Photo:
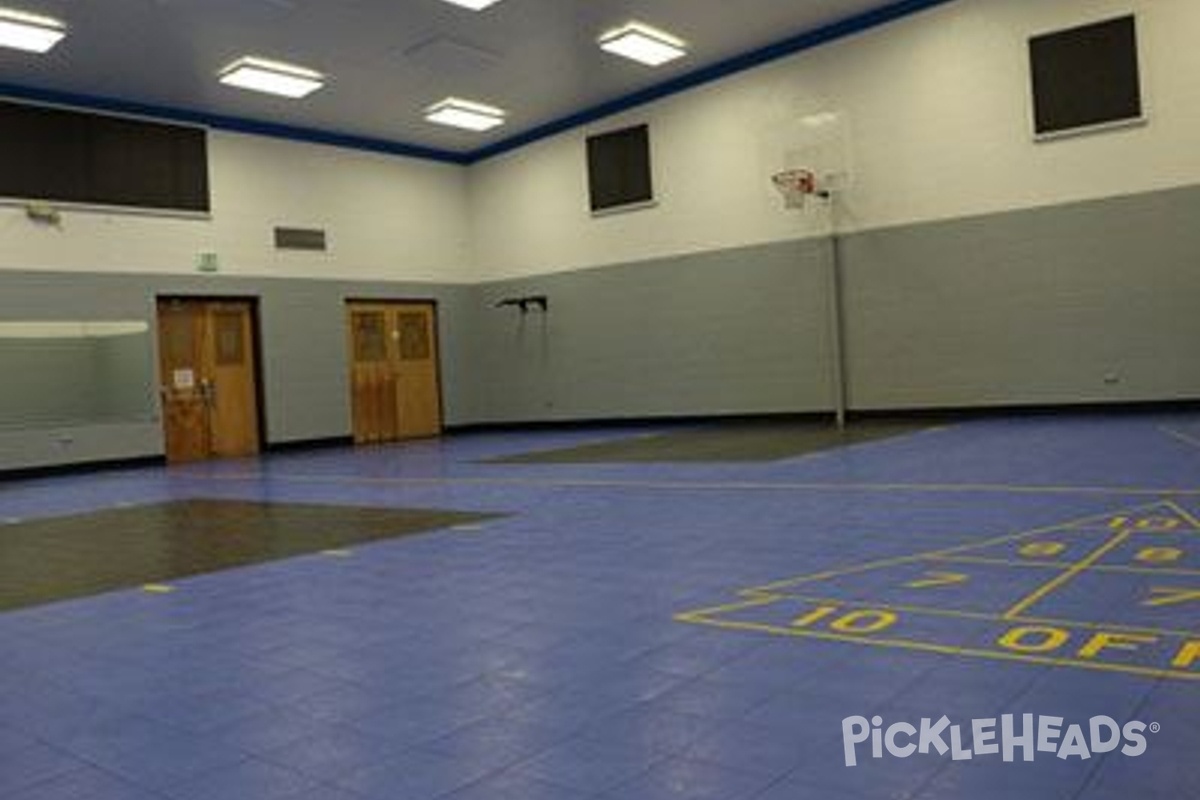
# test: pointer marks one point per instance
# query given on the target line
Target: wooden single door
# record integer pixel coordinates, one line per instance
(184, 404)
(232, 375)
(372, 376)
(394, 378)
(209, 378)
(417, 383)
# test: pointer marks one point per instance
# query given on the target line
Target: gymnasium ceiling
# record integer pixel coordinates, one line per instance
(389, 59)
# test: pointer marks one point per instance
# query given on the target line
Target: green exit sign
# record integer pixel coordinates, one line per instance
(208, 262)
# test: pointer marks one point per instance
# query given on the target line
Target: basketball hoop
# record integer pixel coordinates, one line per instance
(796, 185)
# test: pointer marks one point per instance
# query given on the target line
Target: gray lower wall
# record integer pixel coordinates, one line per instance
(1087, 302)
(303, 341)
(305, 373)
(730, 332)
(122, 369)
(1079, 303)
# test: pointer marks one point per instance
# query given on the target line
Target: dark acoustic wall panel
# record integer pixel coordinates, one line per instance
(619, 171)
(68, 156)
(1086, 76)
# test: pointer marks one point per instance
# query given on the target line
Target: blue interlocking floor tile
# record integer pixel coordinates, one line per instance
(1166, 769)
(588, 766)
(823, 773)
(650, 728)
(204, 712)
(495, 743)
(324, 792)
(12, 740)
(990, 778)
(539, 656)
(271, 730)
(408, 723)
(954, 688)
(747, 747)
(334, 751)
(86, 783)
(249, 778)
(345, 703)
(509, 786)
(682, 779)
(413, 773)
(716, 700)
(110, 735)
(27, 765)
(1080, 695)
(170, 761)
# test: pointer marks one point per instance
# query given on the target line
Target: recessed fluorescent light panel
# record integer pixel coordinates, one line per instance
(272, 77)
(643, 44)
(29, 32)
(465, 114)
(474, 5)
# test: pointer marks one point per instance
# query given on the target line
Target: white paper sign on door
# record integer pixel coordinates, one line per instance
(183, 379)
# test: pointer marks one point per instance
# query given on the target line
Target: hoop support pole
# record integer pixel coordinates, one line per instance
(837, 349)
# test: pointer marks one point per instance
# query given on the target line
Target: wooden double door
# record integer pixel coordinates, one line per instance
(208, 378)
(394, 379)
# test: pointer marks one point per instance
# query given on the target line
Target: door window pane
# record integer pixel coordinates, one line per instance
(231, 339)
(370, 337)
(414, 337)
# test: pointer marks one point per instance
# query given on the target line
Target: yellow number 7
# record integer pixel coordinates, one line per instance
(1167, 596)
(933, 579)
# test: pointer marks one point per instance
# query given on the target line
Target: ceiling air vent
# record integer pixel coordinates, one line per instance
(300, 239)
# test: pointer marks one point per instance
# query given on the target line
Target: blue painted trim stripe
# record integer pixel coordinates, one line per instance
(234, 124)
(740, 63)
(723, 69)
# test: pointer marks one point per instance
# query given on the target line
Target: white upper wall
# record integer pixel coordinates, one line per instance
(940, 120)
(939, 115)
(386, 218)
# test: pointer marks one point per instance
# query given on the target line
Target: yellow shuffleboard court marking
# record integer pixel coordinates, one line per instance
(1089, 561)
(973, 616)
(808, 606)
(1003, 562)
(933, 580)
(701, 614)
(1188, 516)
(1171, 596)
(947, 551)
(1069, 574)
(912, 644)
(157, 588)
(1008, 562)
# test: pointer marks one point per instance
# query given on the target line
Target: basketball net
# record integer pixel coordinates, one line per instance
(795, 185)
